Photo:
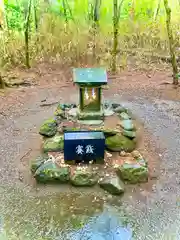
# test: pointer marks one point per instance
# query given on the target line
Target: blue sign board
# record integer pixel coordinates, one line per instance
(84, 146)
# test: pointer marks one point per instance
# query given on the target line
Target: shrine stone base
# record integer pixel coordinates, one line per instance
(122, 162)
(91, 122)
(80, 115)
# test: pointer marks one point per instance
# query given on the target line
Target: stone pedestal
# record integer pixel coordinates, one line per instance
(99, 115)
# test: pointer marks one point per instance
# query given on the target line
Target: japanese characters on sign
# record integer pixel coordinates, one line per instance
(88, 149)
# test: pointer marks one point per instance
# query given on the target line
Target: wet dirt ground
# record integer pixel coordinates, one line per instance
(40, 213)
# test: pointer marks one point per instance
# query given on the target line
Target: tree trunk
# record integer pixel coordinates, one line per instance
(171, 42)
(35, 16)
(2, 83)
(97, 5)
(116, 17)
(65, 11)
(26, 33)
(132, 12)
(157, 10)
(69, 10)
(3, 17)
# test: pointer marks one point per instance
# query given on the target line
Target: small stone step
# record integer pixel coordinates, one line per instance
(91, 122)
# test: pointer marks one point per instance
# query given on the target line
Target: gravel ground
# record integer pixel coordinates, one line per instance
(159, 218)
(156, 210)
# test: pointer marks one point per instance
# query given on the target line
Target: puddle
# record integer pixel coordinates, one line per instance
(103, 227)
(59, 216)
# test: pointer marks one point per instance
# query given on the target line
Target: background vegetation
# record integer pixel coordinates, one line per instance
(81, 31)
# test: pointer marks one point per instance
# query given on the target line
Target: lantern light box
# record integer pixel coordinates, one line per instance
(90, 81)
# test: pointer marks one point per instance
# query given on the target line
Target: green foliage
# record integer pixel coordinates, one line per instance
(80, 9)
(63, 29)
(14, 16)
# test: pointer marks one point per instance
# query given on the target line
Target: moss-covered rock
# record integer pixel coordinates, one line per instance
(83, 177)
(124, 116)
(90, 116)
(120, 109)
(129, 134)
(119, 143)
(58, 120)
(136, 154)
(60, 112)
(65, 129)
(112, 184)
(65, 106)
(51, 172)
(108, 112)
(127, 125)
(36, 163)
(116, 105)
(107, 131)
(54, 144)
(48, 128)
(139, 158)
(136, 172)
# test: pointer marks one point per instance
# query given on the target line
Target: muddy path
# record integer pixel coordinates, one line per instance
(154, 210)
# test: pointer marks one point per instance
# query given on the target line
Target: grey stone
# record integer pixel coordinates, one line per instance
(127, 125)
(73, 112)
(112, 184)
(70, 105)
(136, 154)
(90, 122)
(108, 112)
(129, 134)
(124, 116)
(95, 115)
(60, 111)
(109, 132)
(116, 105)
(107, 105)
(64, 106)
(120, 109)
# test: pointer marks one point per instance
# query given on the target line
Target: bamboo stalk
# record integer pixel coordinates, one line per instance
(65, 11)
(35, 15)
(116, 17)
(2, 83)
(157, 10)
(95, 27)
(171, 42)
(115, 36)
(26, 34)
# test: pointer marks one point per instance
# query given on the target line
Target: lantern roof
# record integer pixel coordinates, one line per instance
(90, 76)
(83, 135)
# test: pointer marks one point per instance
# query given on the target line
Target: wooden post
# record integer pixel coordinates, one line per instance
(81, 100)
